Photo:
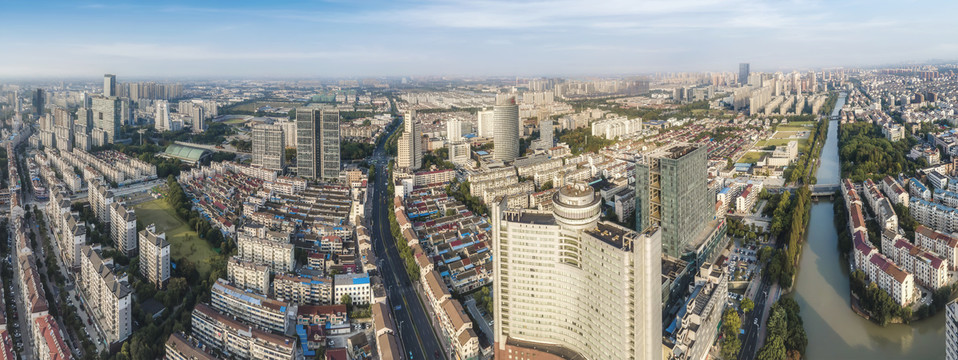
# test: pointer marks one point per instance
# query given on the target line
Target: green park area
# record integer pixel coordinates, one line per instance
(751, 157)
(184, 242)
(802, 143)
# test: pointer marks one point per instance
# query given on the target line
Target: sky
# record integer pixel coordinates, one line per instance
(356, 38)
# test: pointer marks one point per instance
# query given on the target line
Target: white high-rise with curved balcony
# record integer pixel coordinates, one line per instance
(569, 285)
(505, 137)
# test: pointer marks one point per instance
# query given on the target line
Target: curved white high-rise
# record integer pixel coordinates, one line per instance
(505, 138)
(569, 285)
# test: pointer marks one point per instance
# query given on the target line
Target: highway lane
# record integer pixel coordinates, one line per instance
(415, 331)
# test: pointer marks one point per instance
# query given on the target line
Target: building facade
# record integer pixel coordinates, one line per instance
(671, 193)
(154, 256)
(564, 267)
(506, 128)
(269, 147)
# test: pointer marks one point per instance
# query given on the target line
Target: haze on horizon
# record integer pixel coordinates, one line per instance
(333, 38)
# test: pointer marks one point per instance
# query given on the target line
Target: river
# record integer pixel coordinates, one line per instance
(833, 330)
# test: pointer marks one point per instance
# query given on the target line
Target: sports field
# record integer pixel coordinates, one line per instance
(184, 242)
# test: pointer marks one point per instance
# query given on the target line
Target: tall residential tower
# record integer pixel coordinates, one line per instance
(409, 146)
(269, 147)
(317, 148)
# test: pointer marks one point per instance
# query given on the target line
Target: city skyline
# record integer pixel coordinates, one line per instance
(333, 39)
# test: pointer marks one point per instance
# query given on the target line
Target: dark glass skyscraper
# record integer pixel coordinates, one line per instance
(743, 73)
(671, 192)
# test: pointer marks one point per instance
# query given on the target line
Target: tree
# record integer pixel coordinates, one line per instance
(346, 300)
(747, 305)
(731, 345)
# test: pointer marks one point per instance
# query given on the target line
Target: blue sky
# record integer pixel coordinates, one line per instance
(210, 39)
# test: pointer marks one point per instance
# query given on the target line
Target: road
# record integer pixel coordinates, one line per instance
(415, 331)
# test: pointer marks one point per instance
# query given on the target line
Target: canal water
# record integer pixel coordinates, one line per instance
(833, 330)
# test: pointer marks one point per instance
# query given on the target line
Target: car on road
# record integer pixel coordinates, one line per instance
(755, 322)
(398, 307)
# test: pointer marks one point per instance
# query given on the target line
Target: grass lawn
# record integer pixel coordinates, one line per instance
(802, 143)
(790, 134)
(791, 127)
(751, 157)
(184, 242)
(235, 121)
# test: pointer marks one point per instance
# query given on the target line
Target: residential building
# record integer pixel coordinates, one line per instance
(616, 127)
(409, 145)
(248, 275)
(269, 147)
(928, 269)
(278, 255)
(48, 341)
(696, 326)
(933, 215)
(894, 191)
(303, 289)
(317, 148)
(671, 193)
(458, 329)
(154, 256)
(236, 340)
(161, 121)
(357, 286)
(485, 123)
(257, 310)
(108, 298)
(71, 239)
(951, 330)
(123, 228)
(609, 286)
(109, 85)
(743, 74)
(946, 246)
(506, 128)
(179, 347)
(100, 197)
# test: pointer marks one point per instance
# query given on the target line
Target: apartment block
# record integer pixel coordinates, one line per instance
(894, 191)
(278, 255)
(236, 340)
(71, 239)
(303, 289)
(100, 197)
(939, 217)
(180, 347)
(48, 341)
(946, 246)
(928, 269)
(154, 256)
(107, 296)
(951, 330)
(248, 275)
(357, 286)
(254, 309)
(123, 228)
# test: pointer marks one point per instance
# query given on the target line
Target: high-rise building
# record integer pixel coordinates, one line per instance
(109, 85)
(162, 121)
(198, 117)
(39, 101)
(330, 151)
(571, 286)
(154, 256)
(743, 73)
(317, 143)
(123, 228)
(269, 147)
(485, 123)
(307, 141)
(546, 132)
(409, 145)
(454, 129)
(506, 132)
(951, 330)
(671, 193)
(107, 116)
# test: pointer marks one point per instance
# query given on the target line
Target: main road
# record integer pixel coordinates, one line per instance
(415, 331)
